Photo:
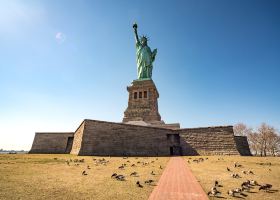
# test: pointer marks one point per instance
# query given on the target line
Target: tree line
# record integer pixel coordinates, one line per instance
(263, 141)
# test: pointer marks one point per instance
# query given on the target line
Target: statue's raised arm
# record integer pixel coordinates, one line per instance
(135, 32)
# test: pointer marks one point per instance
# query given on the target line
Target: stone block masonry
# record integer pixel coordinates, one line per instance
(142, 102)
(103, 138)
(118, 139)
(52, 142)
(208, 141)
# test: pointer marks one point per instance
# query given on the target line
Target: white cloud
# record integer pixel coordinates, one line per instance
(60, 37)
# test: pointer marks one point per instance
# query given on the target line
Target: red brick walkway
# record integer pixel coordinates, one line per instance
(177, 182)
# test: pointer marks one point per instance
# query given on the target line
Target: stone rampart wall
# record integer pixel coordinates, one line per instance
(118, 139)
(208, 141)
(50, 142)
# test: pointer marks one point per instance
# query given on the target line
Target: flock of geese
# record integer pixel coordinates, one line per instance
(245, 186)
(123, 166)
(120, 177)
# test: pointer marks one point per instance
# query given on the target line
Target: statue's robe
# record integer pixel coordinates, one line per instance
(145, 59)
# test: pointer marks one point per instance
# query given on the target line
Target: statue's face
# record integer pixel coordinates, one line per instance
(144, 41)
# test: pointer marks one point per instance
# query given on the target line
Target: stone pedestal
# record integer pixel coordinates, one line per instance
(142, 102)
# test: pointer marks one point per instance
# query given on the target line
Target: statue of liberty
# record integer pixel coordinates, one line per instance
(144, 56)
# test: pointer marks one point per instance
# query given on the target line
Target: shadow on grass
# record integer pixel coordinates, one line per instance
(239, 197)
(221, 197)
(218, 197)
(272, 191)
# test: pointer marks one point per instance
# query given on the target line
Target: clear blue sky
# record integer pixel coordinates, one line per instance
(218, 63)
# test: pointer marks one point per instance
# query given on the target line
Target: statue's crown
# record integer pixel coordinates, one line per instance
(144, 37)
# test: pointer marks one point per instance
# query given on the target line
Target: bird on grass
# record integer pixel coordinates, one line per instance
(231, 193)
(88, 167)
(240, 191)
(213, 192)
(245, 184)
(253, 183)
(160, 167)
(228, 169)
(196, 161)
(121, 167)
(149, 181)
(139, 184)
(152, 173)
(114, 175)
(84, 173)
(120, 177)
(217, 184)
(251, 172)
(133, 174)
(265, 187)
(235, 176)
(237, 165)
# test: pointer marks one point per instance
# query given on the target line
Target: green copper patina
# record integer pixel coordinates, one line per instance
(144, 56)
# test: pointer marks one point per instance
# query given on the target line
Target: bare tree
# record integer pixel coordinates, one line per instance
(264, 141)
(266, 134)
(273, 142)
(241, 129)
(254, 142)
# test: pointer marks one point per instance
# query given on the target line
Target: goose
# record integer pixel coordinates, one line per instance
(217, 184)
(114, 175)
(133, 174)
(120, 177)
(231, 193)
(265, 187)
(253, 183)
(138, 184)
(121, 167)
(149, 181)
(213, 192)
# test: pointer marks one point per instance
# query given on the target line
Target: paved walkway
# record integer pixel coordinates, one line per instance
(177, 182)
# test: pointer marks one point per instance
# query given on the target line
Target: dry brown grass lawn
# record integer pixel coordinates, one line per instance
(49, 177)
(215, 168)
